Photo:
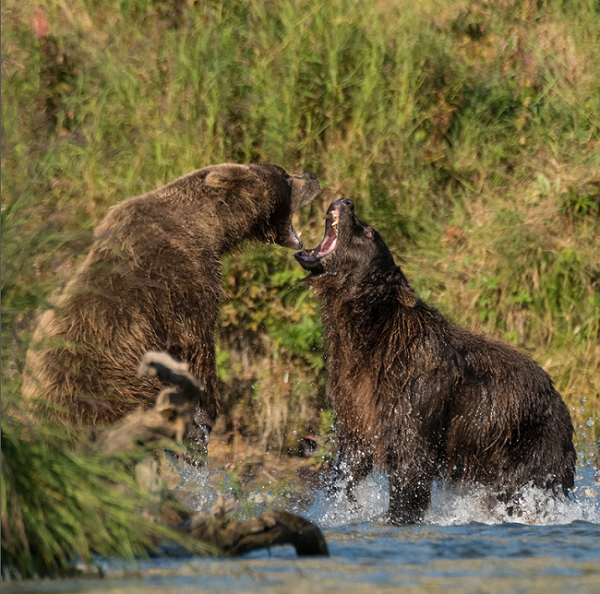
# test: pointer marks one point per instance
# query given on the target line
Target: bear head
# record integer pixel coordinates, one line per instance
(275, 194)
(349, 247)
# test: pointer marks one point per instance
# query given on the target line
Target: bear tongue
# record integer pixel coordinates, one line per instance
(330, 239)
(328, 244)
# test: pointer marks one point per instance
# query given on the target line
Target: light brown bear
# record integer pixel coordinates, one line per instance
(152, 281)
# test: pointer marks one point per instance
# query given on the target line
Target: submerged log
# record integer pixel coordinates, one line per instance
(233, 537)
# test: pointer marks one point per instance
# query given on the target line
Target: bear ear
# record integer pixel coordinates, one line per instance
(229, 175)
(367, 230)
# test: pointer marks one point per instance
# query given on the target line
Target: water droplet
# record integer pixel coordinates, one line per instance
(590, 422)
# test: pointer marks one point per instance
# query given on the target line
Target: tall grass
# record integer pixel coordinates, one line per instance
(467, 133)
(62, 504)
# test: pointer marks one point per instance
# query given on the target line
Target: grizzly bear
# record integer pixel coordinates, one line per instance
(152, 281)
(420, 397)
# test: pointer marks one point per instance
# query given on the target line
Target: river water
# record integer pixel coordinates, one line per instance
(553, 548)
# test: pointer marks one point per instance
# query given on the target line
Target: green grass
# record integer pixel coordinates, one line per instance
(61, 503)
(467, 133)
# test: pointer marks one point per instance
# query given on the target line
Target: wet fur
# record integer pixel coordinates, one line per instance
(423, 398)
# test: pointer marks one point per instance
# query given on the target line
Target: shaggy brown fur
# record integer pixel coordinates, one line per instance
(152, 281)
(420, 397)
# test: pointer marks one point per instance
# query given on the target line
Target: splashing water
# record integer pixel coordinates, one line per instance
(194, 488)
(449, 508)
(454, 507)
(551, 546)
(371, 504)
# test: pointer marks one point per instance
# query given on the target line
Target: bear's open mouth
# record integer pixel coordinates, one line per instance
(329, 243)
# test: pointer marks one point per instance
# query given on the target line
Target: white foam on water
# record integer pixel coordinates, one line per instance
(535, 506)
(451, 506)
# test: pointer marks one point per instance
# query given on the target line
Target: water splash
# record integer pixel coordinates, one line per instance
(334, 510)
(450, 507)
(194, 488)
(453, 507)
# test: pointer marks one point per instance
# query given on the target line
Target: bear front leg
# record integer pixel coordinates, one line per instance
(410, 497)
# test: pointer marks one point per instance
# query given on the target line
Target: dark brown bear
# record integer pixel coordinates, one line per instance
(420, 397)
(152, 281)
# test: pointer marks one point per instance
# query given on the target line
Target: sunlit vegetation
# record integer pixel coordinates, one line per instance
(468, 134)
